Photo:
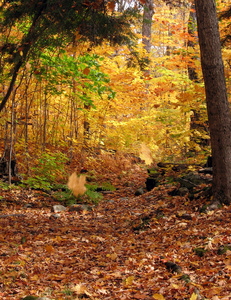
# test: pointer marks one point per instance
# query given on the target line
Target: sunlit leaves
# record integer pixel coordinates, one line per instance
(64, 71)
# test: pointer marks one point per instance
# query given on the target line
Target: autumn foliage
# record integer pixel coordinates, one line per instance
(108, 107)
(97, 97)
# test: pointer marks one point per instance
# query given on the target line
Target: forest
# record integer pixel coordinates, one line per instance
(115, 168)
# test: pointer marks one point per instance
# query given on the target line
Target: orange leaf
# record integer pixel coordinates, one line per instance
(111, 5)
(86, 71)
(50, 248)
(139, 296)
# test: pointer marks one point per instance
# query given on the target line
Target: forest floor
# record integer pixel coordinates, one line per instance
(152, 246)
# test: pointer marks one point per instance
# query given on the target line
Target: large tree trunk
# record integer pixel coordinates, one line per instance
(216, 97)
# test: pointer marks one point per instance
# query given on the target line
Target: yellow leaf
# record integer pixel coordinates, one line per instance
(194, 296)
(129, 280)
(34, 278)
(158, 297)
(186, 139)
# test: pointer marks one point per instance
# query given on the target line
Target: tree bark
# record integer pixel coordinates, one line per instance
(192, 32)
(216, 98)
(26, 45)
(197, 124)
(147, 24)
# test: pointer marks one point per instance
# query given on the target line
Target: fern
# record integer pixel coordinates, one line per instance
(107, 186)
(93, 197)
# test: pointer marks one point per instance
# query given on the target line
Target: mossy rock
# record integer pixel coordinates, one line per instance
(223, 249)
(185, 278)
(199, 251)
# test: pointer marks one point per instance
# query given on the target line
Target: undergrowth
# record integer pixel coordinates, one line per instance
(49, 168)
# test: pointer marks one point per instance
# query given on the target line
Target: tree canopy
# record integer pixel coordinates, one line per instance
(29, 27)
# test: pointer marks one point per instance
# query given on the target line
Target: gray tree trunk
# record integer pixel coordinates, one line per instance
(192, 29)
(216, 97)
(147, 24)
(197, 124)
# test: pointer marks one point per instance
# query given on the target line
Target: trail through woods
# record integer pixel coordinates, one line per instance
(153, 246)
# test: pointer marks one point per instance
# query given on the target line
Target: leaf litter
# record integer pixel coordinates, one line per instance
(127, 247)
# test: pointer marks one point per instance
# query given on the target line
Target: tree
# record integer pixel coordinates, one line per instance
(147, 24)
(191, 43)
(218, 108)
(198, 125)
(41, 23)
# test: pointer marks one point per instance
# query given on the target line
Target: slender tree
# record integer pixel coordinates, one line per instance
(147, 24)
(198, 123)
(192, 29)
(52, 22)
(216, 97)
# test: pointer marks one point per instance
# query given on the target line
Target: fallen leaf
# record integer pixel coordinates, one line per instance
(129, 280)
(194, 296)
(50, 248)
(158, 297)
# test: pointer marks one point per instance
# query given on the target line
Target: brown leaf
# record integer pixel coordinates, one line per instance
(86, 71)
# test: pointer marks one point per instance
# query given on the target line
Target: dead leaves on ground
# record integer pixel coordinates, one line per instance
(99, 255)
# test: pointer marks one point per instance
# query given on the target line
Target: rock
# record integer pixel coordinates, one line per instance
(184, 216)
(139, 192)
(111, 201)
(190, 180)
(171, 266)
(58, 208)
(183, 191)
(174, 192)
(55, 216)
(223, 249)
(79, 207)
(208, 170)
(124, 198)
(199, 251)
(153, 179)
(151, 182)
(191, 196)
(76, 207)
(213, 205)
(107, 192)
(12, 215)
(29, 205)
